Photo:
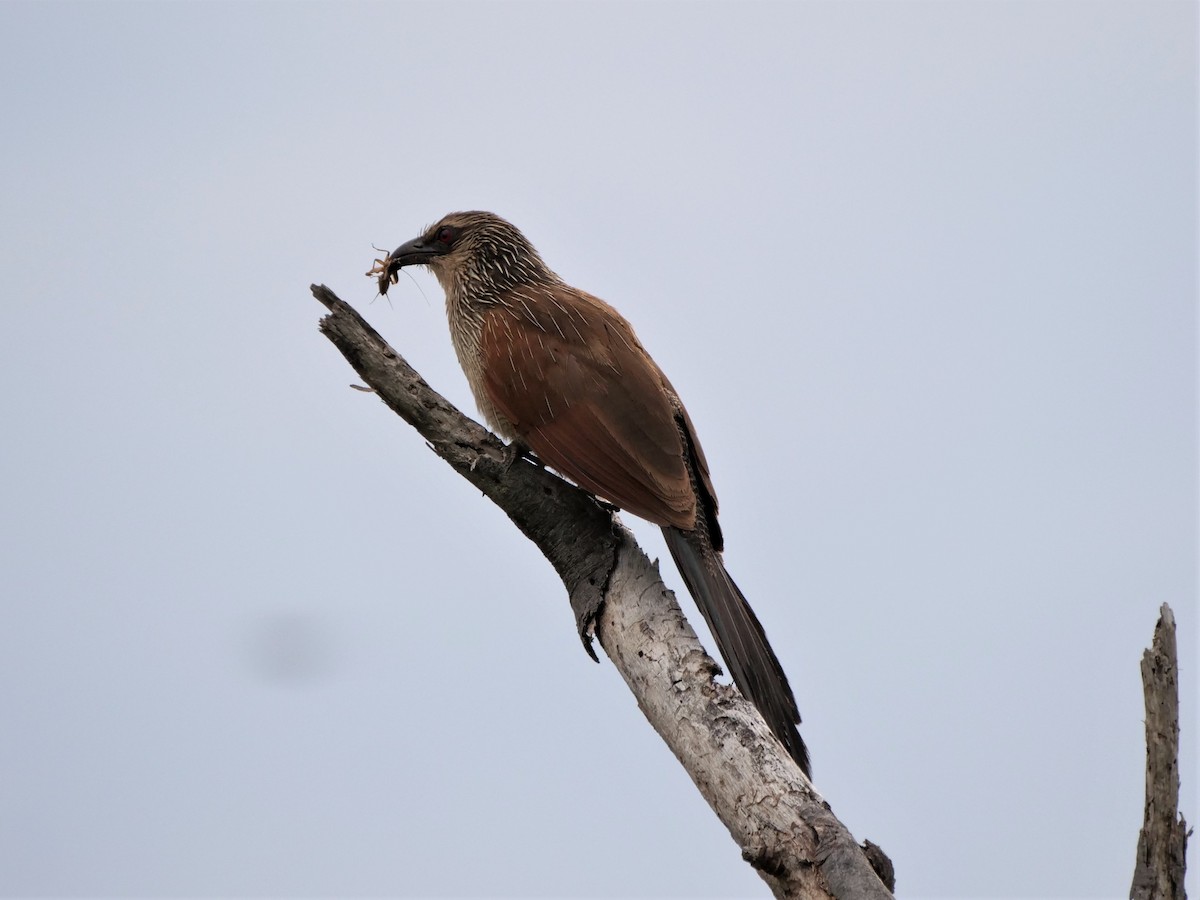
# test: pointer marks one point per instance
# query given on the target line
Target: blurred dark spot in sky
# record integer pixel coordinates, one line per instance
(291, 648)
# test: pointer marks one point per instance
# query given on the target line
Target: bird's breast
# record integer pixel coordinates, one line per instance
(466, 334)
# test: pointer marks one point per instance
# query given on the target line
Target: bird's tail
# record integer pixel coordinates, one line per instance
(739, 636)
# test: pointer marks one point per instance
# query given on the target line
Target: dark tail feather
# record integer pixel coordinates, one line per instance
(740, 638)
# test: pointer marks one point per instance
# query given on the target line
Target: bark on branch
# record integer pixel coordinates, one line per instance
(785, 829)
(1162, 843)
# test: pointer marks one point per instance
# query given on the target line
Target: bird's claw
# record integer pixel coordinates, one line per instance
(515, 451)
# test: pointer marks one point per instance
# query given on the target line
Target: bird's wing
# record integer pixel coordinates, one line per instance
(571, 377)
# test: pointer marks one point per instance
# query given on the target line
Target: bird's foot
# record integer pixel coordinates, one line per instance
(516, 451)
(605, 505)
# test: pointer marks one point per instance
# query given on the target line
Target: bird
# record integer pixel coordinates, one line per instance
(560, 373)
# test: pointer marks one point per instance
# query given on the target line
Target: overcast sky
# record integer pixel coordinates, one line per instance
(924, 273)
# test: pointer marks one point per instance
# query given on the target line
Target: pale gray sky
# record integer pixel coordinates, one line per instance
(925, 275)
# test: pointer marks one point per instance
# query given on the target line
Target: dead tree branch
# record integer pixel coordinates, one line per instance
(1162, 843)
(785, 829)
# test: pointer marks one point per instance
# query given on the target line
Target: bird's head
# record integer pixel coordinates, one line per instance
(474, 255)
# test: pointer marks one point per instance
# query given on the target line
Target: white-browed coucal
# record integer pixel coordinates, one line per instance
(561, 372)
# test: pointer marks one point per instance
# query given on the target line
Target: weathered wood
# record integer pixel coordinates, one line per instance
(1162, 843)
(785, 829)
(552, 513)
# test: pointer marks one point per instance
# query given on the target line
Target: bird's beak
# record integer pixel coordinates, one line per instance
(414, 253)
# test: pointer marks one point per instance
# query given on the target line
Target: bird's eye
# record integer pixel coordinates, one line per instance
(445, 234)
